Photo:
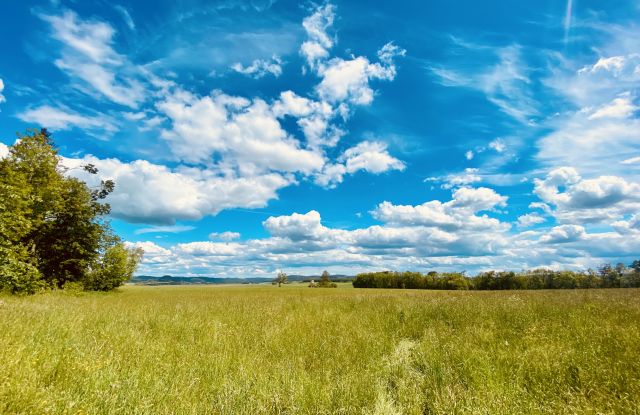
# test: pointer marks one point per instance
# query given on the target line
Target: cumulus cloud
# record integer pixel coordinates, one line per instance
(313, 117)
(297, 226)
(319, 41)
(433, 235)
(224, 236)
(343, 80)
(245, 133)
(300, 241)
(587, 200)
(457, 214)
(530, 219)
(152, 193)
(563, 234)
(368, 156)
(260, 67)
(348, 80)
(464, 178)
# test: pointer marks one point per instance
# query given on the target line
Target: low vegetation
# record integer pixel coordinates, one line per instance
(295, 350)
(52, 228)
(606, 276)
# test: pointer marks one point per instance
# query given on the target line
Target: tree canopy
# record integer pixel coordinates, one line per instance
(53, 229)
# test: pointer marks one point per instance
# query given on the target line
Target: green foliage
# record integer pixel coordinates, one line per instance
(281, 278)
(18, 276)
(325, 281)
(114, 268)
(607, 277)
(50, 221)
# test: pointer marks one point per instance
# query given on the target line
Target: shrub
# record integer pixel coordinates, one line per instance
(16, 275)
(116, 266)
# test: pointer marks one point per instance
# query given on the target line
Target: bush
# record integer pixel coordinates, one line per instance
(116, 266)
(18, 276)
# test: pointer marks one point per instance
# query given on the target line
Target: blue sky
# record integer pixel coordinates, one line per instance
(250, 137)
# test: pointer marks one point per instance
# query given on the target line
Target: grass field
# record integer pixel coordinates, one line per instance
(263, 349)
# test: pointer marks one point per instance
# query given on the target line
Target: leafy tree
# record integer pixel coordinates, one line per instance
(50, 222)
(116, 266)
(281, 278)
(325, 281)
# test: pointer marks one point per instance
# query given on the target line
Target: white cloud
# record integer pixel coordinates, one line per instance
(506, 84)
(632, 160)
(88, 56)
(126, 16)
(530, 219)
(564, 234)
(434, 235)
(602, 127)
(151, 193)
(164, 229)
(314, 118)
(578, 200)
(368, 156)
(348, 80)
(464, 178)
(469, 155)
(224, 236)
(260, 67)
(343, 80)
(65, 119)
(621, 107)
(297, 226)
(498, 145)
(457, 214)
(246, 134)
(4, 151)
(2, 98)
(319, 42)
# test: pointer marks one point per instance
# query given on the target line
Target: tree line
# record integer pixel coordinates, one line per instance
(53, 231)
(606, 276)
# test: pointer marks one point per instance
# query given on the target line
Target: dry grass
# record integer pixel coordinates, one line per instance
(261, 349)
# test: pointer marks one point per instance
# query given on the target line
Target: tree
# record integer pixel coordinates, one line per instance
(115, 267)
(325, 281)
(281, 278)
(49, 221)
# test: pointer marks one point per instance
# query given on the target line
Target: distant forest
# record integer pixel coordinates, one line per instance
(606, 276)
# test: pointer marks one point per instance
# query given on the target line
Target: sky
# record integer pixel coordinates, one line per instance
(248, 137)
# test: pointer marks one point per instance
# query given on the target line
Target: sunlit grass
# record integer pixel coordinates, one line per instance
(263, 349)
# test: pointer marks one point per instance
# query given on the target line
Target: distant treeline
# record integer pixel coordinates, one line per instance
(606, 276)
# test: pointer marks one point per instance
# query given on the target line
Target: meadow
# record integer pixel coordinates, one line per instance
(260, 349)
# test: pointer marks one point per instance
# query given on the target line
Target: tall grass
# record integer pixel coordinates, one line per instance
(263, 349)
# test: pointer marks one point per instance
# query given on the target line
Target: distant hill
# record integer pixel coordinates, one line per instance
(171, 280)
